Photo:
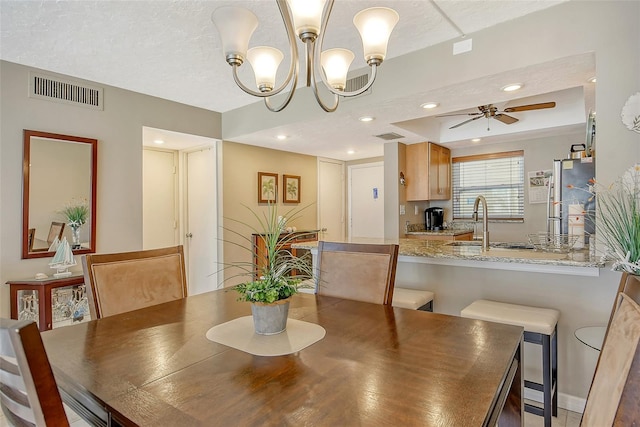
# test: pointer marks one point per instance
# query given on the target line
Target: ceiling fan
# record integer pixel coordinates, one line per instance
(489, 111)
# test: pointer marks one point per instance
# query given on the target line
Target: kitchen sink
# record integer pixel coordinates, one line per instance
(502, 245)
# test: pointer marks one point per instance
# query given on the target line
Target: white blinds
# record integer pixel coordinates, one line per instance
(499, 177)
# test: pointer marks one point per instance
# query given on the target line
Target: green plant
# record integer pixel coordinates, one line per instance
(76, 212)
(618, 220)
(275, 279)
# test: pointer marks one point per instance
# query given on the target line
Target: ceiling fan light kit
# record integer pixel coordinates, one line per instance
(308, 20)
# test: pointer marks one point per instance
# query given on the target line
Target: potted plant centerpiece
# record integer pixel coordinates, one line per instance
(618, 220)
(281, 273)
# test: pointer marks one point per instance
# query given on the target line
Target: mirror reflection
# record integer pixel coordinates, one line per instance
(59, 193)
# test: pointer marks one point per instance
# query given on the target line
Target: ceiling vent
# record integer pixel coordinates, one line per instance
(356, 83)
(389, 136)
(65, 91)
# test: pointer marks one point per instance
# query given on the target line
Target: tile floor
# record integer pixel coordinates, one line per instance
(74, 419)
(564, 419)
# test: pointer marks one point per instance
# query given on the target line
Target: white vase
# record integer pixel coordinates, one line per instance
(75, 234)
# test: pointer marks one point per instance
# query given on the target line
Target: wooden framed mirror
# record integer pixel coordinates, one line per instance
(59, 172)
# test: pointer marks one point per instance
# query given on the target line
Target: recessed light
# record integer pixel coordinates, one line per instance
(366, 118)
(513, 86)
(350, 151)
(592, 80)
(158, 141)
(476, 140)
(281, 137)
(428, 105)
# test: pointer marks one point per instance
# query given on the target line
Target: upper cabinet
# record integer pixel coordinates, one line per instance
(428, 172)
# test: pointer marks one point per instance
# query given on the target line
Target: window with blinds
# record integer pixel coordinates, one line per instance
(499, 177)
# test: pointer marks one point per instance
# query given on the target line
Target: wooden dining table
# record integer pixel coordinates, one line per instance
(377, 365)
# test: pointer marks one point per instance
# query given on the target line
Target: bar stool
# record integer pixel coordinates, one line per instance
(540, 327)
(413, 299)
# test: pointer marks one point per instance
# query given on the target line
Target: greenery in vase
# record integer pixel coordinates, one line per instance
(618, 221)
(275, 280)
(76, 213)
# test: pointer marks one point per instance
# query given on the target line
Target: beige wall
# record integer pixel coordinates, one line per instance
(118, 129)
(241, 164)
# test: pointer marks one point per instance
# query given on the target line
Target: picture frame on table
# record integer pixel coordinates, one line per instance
(267, 187)
(290, 189)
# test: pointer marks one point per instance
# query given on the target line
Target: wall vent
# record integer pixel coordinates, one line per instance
(65, 91)
(355, 83)
(389, 136)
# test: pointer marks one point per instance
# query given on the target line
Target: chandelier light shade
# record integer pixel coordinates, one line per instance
(375, 26)
(335, 64)
(236, 26)
(307, 15)
(306, 19)
(265, 61)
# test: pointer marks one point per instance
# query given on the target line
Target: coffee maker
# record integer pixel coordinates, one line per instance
(433, 219)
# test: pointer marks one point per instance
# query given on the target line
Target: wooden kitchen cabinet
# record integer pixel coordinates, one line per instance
(428, 172)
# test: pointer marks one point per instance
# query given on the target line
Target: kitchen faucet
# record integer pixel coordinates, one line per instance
(485, 220)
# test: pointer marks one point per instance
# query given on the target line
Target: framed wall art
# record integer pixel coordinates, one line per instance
(291, 189)
(267, 187)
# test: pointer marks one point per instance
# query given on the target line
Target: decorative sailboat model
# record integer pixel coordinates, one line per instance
(62, 260)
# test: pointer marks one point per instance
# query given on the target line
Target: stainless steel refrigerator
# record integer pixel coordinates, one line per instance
(570, 185)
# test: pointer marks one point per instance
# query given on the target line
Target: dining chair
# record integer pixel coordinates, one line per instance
(28, 391)
(31, 235)
(127, 281)
(615, 389)
(56, 230)
(357, 271)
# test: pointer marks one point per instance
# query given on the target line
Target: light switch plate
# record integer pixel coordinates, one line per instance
(402, 212)
(415, 210)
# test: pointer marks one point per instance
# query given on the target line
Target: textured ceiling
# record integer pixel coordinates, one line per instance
(170, 49)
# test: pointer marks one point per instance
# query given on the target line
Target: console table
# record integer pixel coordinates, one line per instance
(39, 303)
(285, 240)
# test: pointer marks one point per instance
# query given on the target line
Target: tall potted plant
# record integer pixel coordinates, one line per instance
(281, 274)
(618, 221)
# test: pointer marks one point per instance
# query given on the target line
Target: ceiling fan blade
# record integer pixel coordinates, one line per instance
(460, 114)
(466, 121)
(530, 107)
(505, 118)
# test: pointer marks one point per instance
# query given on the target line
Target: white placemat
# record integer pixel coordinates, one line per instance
(239, 334)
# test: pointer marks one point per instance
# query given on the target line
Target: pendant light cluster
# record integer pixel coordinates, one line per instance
(308, 20)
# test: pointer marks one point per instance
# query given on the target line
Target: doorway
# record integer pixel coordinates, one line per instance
(331, 199)
(192, 192)
(366, 200)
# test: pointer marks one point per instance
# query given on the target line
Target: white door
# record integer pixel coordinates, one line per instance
(202, 220)
(366, 200)
(331, 199)
(159, 201)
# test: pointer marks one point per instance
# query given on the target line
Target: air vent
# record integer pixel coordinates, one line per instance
(389, 136)
(356, 83)
(65, 91)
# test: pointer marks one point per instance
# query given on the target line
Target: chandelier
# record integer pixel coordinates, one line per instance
(308, 20)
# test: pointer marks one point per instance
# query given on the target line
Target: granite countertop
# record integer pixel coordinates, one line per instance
(456, 229)
(472, 251)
